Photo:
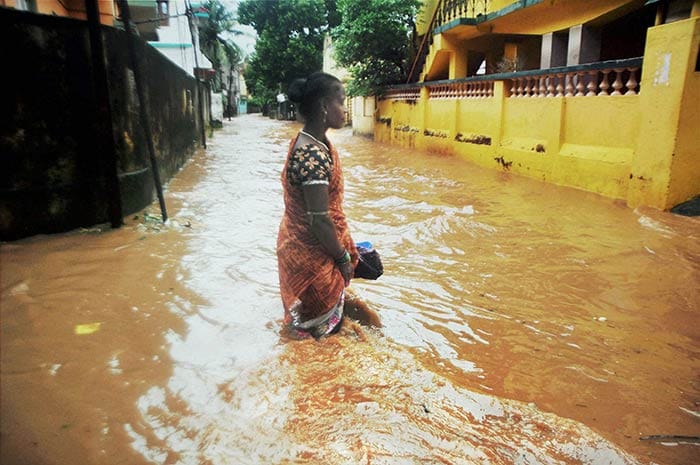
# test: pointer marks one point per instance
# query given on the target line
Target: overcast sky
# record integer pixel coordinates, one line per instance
(246, 41)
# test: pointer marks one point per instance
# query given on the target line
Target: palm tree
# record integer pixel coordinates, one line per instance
(223, 53)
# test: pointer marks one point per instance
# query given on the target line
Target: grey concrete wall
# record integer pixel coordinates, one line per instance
(52, 166)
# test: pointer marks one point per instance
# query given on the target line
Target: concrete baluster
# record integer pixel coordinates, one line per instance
(617, 85)
(579, 85)
(569, 85)
(604, 84)
(560, 86)
(592, 84)
(632, 82)
(551, 79)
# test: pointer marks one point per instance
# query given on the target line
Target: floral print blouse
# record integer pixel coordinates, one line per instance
(309, 164)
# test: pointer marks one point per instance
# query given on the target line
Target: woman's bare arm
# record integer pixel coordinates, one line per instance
(322, 227)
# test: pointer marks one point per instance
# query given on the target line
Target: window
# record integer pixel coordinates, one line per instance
(162, 7)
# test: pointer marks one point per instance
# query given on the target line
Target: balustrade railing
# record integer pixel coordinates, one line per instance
(449, 10)
(605, 78)
(461, 90)
(613, 80)
(403, 93)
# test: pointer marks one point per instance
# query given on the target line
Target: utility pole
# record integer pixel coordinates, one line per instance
(143, 113)
(195, 47)
(104, 135)
(231, 112)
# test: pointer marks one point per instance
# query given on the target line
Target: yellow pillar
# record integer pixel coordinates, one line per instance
(695, 10)
(458, 60)
(455, 50)
(666, 166)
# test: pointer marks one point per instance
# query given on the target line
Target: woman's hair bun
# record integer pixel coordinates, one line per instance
(307, 92)
(296, 90)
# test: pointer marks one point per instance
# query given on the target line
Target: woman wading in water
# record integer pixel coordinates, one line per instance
(316, 255)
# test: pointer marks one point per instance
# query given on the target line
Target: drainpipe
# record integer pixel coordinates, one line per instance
(104, 136)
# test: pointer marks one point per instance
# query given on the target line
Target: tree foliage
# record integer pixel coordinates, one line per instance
(373, 42)
(289, 44)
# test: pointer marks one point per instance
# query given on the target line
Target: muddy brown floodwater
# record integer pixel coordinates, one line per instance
(524, 323)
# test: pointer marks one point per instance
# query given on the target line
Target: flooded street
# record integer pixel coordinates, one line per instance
(524, 323)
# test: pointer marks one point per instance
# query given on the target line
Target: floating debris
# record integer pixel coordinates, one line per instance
(87, 328)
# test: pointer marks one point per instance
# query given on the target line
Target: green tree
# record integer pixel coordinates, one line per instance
(289, 45)
(373, 42)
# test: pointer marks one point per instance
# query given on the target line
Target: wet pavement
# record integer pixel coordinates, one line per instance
(523, 323)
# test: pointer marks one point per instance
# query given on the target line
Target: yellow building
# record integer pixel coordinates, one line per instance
(601, 95)
(69, 8)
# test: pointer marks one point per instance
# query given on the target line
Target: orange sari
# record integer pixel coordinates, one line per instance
(310, 282)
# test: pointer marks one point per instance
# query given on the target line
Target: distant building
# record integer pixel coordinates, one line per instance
(235, 91)
(331, 67)
(173, 39)
(329, 64)
(242, 89)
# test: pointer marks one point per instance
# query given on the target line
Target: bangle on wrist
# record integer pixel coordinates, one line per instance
(345, 258)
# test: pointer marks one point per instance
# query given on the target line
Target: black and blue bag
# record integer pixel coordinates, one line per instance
(370, 264)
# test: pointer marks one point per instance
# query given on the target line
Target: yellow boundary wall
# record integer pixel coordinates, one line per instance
(643, 148)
